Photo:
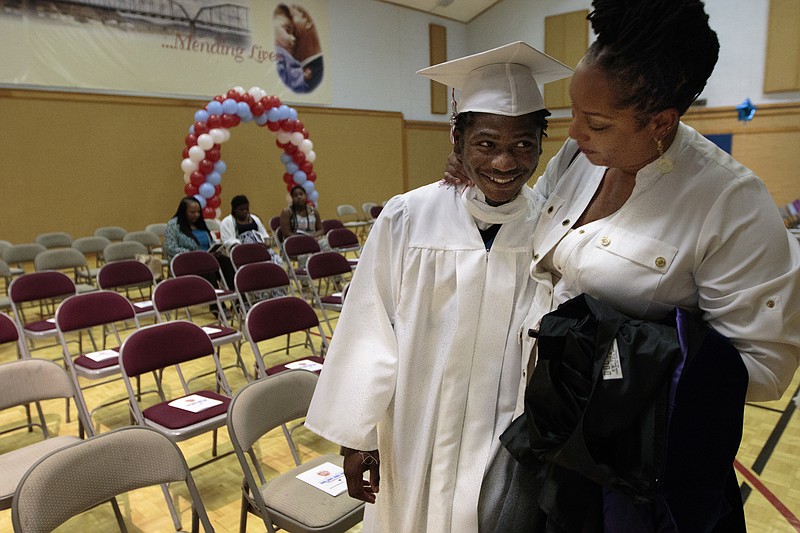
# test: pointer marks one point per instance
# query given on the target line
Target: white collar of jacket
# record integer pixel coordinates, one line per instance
(475, 203)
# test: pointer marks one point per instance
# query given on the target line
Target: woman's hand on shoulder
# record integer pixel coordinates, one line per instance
(454, 171)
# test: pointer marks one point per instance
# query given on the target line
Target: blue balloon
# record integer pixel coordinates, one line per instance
(220, 166)
(291, 167)
(293, 113)
(201, 115)
(201, 200)
(206, 190)
(191, 129)
(229, 106)
(273, 115)
(308, 186)
(284, 111)
(214, 178)
(285, 158)
(214, 108)
(299, 177)
(313, 196)
(243, 109)
(261, 119)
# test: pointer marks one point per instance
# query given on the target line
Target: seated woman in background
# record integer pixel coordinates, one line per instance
(187, 231)
(300, 217)
(241, 227)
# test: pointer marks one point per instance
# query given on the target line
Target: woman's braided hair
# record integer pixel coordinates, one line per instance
(659, 53)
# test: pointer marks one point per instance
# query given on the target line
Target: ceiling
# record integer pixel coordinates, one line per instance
(460, 10)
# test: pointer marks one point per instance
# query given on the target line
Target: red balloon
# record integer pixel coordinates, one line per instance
(280, 144)
(219, 98)
(208, 211)
(273, 126)
(248, 99)
(190, 189)
(190, 139)
(214, 153)
(234, 95)
(217, 190)
(214, 121)
(214, 202)
(286, 124)
(257, 108)
(298, 126)
(205, 166)
(197, 178)
(200, 127)
(305, 133)
(307, 167)
(288, 178)
(185, 152)
(311, 176)
(273, 101)
(290, 149)
(289, 187)
(299, 157)
(228, 122)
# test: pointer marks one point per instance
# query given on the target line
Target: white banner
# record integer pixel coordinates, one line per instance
(185, 48)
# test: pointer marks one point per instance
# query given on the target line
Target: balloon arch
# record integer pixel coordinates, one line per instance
(202, 166)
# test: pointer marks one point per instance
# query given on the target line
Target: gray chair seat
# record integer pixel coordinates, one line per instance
(15, 463)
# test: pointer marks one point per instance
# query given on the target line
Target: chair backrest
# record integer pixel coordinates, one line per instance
(275, 222)
(91, 245)
(324, 264)
(124, 273)
(331, 223)
(8, 329)
(279, 316)
(194, 262)
(260, 277)
(345, 210)
(56, 239)
(366, 207)
(159, 228)
(212, 224)
(35, 286)
(251, 252)
(16, 254)
(183, 291)
(162, 345)
(265, 404)
(297, 244)
(3, 246)
(343, 239)
(59, 258)
(5, 270)
(112, 233)
(117, 251)
(375, 210)
(29, 380)
(103, 467)
(148, 238)
(87, 310)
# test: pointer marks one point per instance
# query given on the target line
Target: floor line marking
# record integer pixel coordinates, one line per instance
(768, 494)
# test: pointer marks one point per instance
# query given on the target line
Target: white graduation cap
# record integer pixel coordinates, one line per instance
(501, 81)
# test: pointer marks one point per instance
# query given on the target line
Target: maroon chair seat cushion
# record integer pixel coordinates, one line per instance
(174, 418)
(332, 300)
(40, 326)
(280, 368)
(143, 308)
(224, 331)
(91, 364)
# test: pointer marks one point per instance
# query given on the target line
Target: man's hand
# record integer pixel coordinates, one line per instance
(357, 462)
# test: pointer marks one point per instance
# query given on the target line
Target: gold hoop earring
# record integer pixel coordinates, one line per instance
(663, 163)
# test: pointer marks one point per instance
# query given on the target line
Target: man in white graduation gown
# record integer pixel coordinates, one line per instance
(425, 364)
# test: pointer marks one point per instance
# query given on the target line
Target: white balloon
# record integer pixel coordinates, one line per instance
(186, 178)
(305, 146)
(256, 92)
(218, 213)
(239, 89)
(205, 141)
(217, 135)
(196, 154)
(311, 156)
(227, 134)
(283, 137)
(296, 138)
(188, 166)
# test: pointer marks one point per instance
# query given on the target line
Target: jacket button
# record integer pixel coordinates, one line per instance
(565, 223)
(535, 257)
(770, 303)
(661, 262)
(550, 209)
(605, 241)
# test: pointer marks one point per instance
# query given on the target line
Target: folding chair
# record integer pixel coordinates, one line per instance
(34, 299)
(160, 229)
(274, 225)
(186, 292)
(91, 246)
(68, 259)
(24, 382)
(273, 318)
(349, 217)
(117, 251)
(134, 280)
(6, 275)
(284, 502)
(112, 233)
(147, 238)
(329, 267)
(56, 239)
(10, 333)
(345, 242)
(331, 223)
(81, 314)
(205, 265)
(259, 281)
(375, 211)
(251, 252)
(154, 349)
(366, 208)
(17, 255)
(85, 474)
(295, 249)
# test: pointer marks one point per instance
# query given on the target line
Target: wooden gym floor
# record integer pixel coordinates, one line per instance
(767, 463)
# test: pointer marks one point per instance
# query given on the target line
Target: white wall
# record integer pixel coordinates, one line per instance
(376, 49)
